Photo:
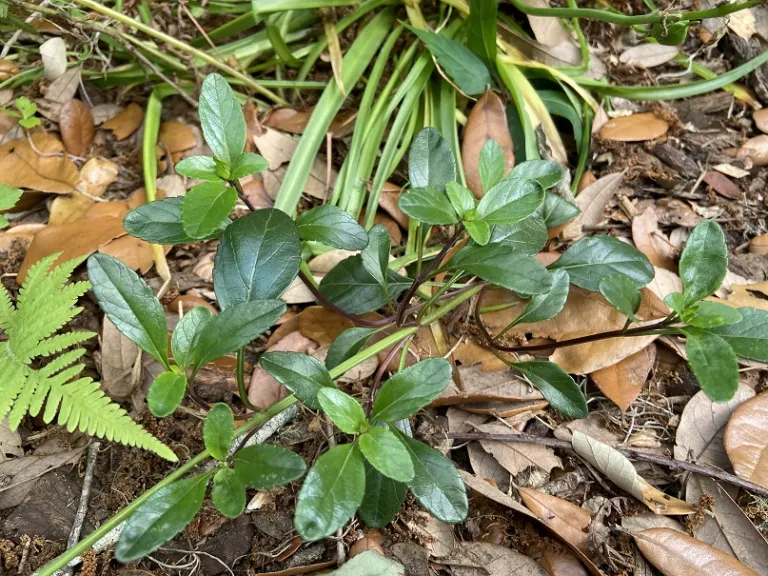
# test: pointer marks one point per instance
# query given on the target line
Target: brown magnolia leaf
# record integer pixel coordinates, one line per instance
(592, 202)
(623, 382)
(133, 252)
(388, 201)
(620, 471)
(676, 554)
(486, 121)
(748, 296)
(256, 193)
(176, 136)
(470, 353)
(264, 390)
(119, 358)
(288, 119)
(702, 426)
(517, 456)
(275, 146)
(562, 565)
(646, 521)
(746, 442)
(76, 127)
(95, 176)
(723, 185)
(567, 520)
(479, 386)
(759, 244)
(484, 559)
(7, 69)
(126, 122)
(64, 88)
(437, 536)
(651, 241)
(755, 149)
(648, 55)
(45, 168)
(634, 128)
(760, 118)
(322, 325)
(593, 426)
(486, 466)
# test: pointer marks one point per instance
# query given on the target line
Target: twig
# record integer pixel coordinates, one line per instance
(241, 193)
(82, 509)
(631, 454)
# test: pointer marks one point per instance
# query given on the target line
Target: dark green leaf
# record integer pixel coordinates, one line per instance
(670, 33)
(163, 515)
(411, 389)
(218, 431)
(198, 167)
(557, 387)
(346, 345)
(545, 306)
(332, 226)
(556, 210)
(479, 231)
(302, 374)
(704, 261)
(428, 205)
(257, 259)
(528, 236)
(246, 164)
(749, 336)
(461, 197)
(500, 264)
(159, 222)
(166, 393)
(510, 201)
(387, 454)
(493, 165)
(558, 104)
(710, 315)
(713, 362)
(375, 256)
(331, 493)
(465, 69)
(547, 173)
(431, 162)
(205, 207)
(235, 327)
(481, 34)
(264, 466)
(436, 483)
(621, 293)
(591, 259)
(222, 119)
(351, 287)
(186, 333)
(228, 493)
(342, 409)
(382, 500)
(130, 304)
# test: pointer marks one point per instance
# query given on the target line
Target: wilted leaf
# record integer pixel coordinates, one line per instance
(76, 127)
(119, 356)
(21, 166)
(567, 520)
(95, 176)
(648, 55)
(634, 128)
(651, 241)
(592, 202)
(517, 456)
(126, 122)
(623, 382)
(746, 442)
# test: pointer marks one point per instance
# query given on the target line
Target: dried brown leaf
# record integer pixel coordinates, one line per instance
(45, 167)
(755, 149)
(759, 244)
(723, 185)
(517, 456)
(634, 128)
(24, 472)
(388, 201)
(623, 382)
(760, 118)
(479, 386)
(7, 69)
(748, 296)
(746, 442)
(648, 55)
(10, 443)
(119, 357)
(275, 146)
(176, 136)
(64, 88)
(646, 521)
(126, 122)
(483, 559)
(95, 176)
(567, 520)
(651, 241)
(133, 252)
(76, 127)
(592, 202)
(437, 536)
(562, 565)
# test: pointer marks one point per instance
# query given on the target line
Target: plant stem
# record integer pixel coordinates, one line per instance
(380, 374)
(241, 381)
(241, 193)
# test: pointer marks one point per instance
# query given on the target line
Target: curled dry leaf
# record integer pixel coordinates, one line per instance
(746, 442)
(120, 362)
(623, 382)
(567, 520)
(486, 121)
(651, 241)
(634, 128)
(761, 120)
(592, 201)
(676, 554)
(7, 69)
(126, 122)
(620, 471)
(95, 176)
(45, 168)
(562, 565)
(76, 127)
(517, 456)
(648, 55)
(755, 149)
(483, 559)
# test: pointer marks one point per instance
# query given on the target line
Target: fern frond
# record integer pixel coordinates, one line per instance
(23, 401)
(13, 375)
(45, 385)
(85, 407)
(61, 362)
(6, 308)
(59, 342)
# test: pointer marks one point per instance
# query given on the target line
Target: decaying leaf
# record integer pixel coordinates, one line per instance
(651, 241)
(620, 471)
(45, 167)
(748, 296)
(437, 536)
(64, 88)
(634, 128)
(646, 521)
(755, 149)
(623, 382)
(95, 176)
(10, 443)
(562, 517)
(275, 146)
(562, 565)
(119, 359)
(126, 122)
(23, 473)
(388, 201)
(746, 441)
(592, 202)
(648, 55)
(759, 244)
(76, 127)
(517, 456)
(483, 559)
(676, 554)
(478, 386)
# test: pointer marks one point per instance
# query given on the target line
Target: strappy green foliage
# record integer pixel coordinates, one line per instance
(45, 304)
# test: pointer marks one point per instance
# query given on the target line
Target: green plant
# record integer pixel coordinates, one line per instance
(8, 199)
(45, 304)
(27, 110)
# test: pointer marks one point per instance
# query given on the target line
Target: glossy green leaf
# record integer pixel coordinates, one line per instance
(713, 362)
(621, 293)
(198, 167)
(257, 259)
(545, 306)
(384, 451)
(559, 104)
(431, 162)
(465, 69)
(234, 327)
(461, 198)
(556, 210)
(704, 261)
(481, 34)
(528, 236)
(228, 493)
(375, 256)
(749, 337)
(222, 119)
(264, 466)
(557, 387)
(331, 493)
(510, 201)
(129, 304)
(332, 226)
(501, 265)
(411, 389)
(247, 164)
(547, 173)
(479, 231)
(429, 205)
(166, 393)
(675, 301)
(436, 483)
(345, 412)
(346, 345)
(493, 165)
(302, 374)
(710, 315)
(163, 515)
(383, 498)
(591, 259)
(351, 287)
(218, 431)
(159, 222)
(205, 207)
(186, 333)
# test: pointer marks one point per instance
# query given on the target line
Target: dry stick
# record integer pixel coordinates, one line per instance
(82, 509)
(631, 454)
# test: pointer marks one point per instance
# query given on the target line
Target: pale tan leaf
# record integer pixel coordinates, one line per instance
(275, 146)
(760, 117)
(748, 296)
(436, 536)
(746, 440)
(593, 356)
(176, 137)
(335, 53)
(126, 122)
(133, 252)
(76, 127)
(10, 442)
(298, 293)
(486, 466)
(95, 176)
(7, 69)
(562, 565)
(620, 471)
(288, 119)
(623, 382)
(54, 55)
(479, 386)
(483, 559)
(646, 521)
(325, 262)
(64, 88)
(755, 149)
(759, 244)
(592, 202)
(567, 520)
(593, 426)
(362, 371)
(322, 325)
(664, 283)
(648, 55)
(676, 554)
(119, 356)
(702, 425)
(651, 241)
(45, 167)
(22, 473)
(517, 456)
(103, 112)
(634, 128)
